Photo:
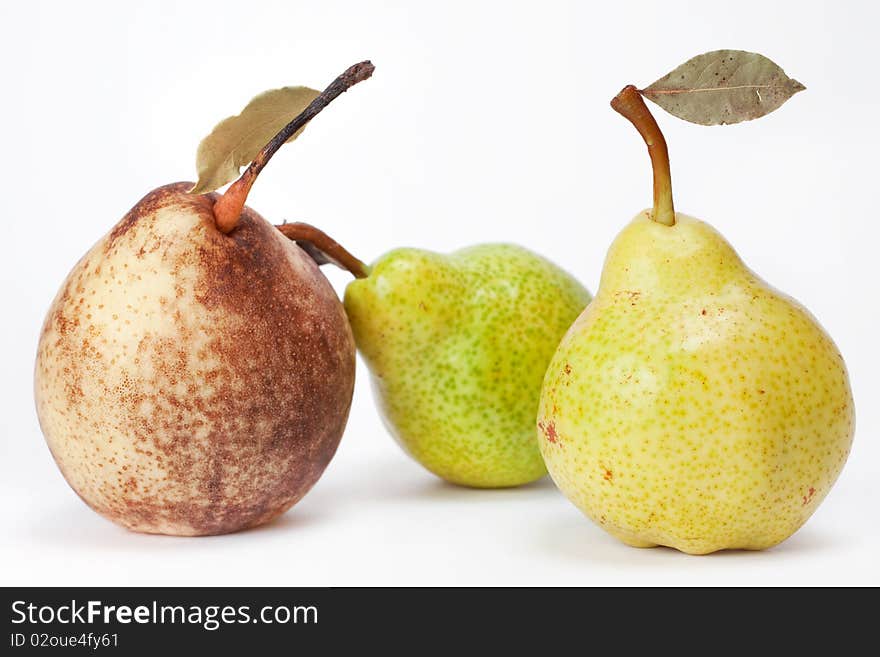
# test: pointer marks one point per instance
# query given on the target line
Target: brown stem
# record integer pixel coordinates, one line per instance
(228, 207)
(630, 104)
(322, 248)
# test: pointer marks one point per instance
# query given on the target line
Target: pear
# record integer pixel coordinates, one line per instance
(194, 373)
(692, 405)
(457, 346)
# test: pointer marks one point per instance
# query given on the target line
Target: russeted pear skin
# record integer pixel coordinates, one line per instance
(692, 405)
(191, 382)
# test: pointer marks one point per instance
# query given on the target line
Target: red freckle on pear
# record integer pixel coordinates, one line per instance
(809, 496)
(549, 430)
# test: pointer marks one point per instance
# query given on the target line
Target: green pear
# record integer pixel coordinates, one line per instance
(692, 405)
(457, 346)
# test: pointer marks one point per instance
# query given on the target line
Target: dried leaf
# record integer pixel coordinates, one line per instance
(235, 141)
(722, 87)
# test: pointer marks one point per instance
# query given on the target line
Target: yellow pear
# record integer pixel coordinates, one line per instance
(692, 405)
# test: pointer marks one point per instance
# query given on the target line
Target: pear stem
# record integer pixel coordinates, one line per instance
(322, 248)
(630, 104)
(228, 207)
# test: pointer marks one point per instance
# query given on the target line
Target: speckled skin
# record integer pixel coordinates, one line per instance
(457, 346)
(190, 382)
(692, 405)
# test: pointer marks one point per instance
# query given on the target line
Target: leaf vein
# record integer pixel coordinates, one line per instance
(666, 92)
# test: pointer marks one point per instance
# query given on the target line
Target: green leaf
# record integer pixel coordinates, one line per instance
(722, 87)
(235, 141)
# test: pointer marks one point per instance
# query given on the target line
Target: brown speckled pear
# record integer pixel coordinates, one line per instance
(190, 381)
(195, 372)
(692, 405)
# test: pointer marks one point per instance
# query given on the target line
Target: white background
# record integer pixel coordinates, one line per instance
(484, 122)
